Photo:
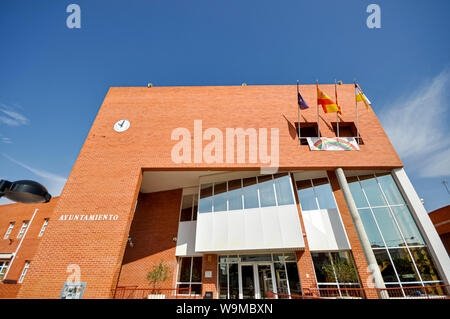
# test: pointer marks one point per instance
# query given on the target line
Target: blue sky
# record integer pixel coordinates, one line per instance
(53, 79)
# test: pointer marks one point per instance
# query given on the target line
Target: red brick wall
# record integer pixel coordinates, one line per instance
(30, 241)
(154, 226)
(441, 220)
(107, 174)
(209, 264)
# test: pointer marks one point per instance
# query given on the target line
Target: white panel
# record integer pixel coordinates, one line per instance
(249, 229)
(271, 230)
(253, 231)
(290, 228)
(236, 233)
(220, 226)
(324, 230)
(186, 238)
(203, 238)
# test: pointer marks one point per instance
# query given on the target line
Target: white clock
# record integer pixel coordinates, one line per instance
(122, 126)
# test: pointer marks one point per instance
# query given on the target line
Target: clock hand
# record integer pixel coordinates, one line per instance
(122, 123)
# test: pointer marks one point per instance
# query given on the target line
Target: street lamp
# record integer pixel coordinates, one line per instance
(24, 191)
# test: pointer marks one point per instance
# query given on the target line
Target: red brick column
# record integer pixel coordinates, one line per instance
(358, 254)
(209, 264)
(304, 260)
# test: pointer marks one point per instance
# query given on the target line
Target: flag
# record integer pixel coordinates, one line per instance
(327, 104)
(301, 102)
(361, 97)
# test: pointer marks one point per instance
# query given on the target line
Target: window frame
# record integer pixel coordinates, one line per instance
(22, 230)
(44, 226)
(9, 230)
(24, 271)
(190, 283)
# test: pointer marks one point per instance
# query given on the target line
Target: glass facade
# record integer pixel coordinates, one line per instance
(315, 194)
(336, 274)
(189, 275)
(247, 193)
(396, 241)
(279, 269)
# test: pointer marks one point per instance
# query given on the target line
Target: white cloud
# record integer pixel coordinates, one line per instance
(5, 140)
(11, 117)
(418, 126)
(54, 183)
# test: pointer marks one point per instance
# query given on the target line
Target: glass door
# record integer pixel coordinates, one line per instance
(247, 282)
(265, 280)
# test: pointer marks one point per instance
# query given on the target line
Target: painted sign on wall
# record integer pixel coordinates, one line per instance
(332, 144)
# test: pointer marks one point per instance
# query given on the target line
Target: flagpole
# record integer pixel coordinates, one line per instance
(337, 103)
(298, 106)
(356, 107)
(317, 104)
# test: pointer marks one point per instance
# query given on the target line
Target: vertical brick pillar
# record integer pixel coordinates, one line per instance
(209, 284)
(304, 260)
(357, 251)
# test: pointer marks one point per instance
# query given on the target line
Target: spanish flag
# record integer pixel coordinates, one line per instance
(361, 97)
(327, 104)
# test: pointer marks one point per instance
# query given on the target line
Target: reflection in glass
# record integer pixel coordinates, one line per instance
(234, 195)
(265, 280)
(233, 281)
(266, 192)
(390, 189)
(370, 227)
(196, 269)
(194, 212)
(186, 208)
(343, 267)
(185, 269)
(248, 284)
(387, 271)
(306, 195)
(281, 280)
(283, 189)
(388, 228)
(425, 264)
(372, 190)
(322, 266)
(407, 225)
(324, 193)
(220, 197)
(403, 264)
(250, 193)
(294, 279)
(205, 205)
(223, 281)
(357, 193)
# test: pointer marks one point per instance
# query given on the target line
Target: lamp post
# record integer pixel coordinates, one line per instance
(24, 191)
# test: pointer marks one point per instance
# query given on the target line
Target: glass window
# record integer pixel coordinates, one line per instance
(388, 228)
(283, 189)
(294, 279)
(44, 226)
(323, 267)
(344, 267)
(194, 212)
(403, 264)
(24, 271)
(3, 268)
(266, 192)
(223, 281)
(281, 279)
(233, 281)
(250, 258)
(306, 195)
(357, 193)
(234, 195)
(10, 228)
(250, 193)
(186, 208)
(205, 205)
(387, 271)
(390, 189)
(372, 190)
(220, 197)
(22, 229)
(185, 269)
(425, 264)
(324, 193)
(370, 227)
(407, 225)
(196, 269)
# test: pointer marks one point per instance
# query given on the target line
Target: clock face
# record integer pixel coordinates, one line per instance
(121, 125)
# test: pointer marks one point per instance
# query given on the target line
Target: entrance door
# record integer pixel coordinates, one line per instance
(256, 280)
(265, 280)
(248, 288)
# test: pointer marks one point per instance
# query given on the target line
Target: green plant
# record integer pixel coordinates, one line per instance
(344, 272)
(158, 274)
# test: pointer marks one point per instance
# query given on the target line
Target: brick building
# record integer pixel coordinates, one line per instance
(441, 220)
(184, 176)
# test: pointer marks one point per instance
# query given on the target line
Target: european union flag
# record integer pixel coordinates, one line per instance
(301, 102)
